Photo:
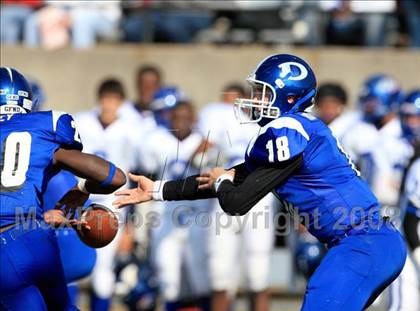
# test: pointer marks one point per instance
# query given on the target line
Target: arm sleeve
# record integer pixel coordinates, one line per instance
(185, 189)
(235, 198)
(65, 131)
(238, 199)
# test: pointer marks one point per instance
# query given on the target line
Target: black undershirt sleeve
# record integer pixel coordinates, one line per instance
(239, 197)
(410, 224)
(187, 189)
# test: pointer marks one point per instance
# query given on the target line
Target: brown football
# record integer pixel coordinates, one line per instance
(103, 226)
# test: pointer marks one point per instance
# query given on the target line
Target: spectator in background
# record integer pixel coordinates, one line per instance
(85, 20)
(411, 9)
(377, 17)
(13, 15)
(148, 81)
(358, 22)
(160, 21)
(344, 27)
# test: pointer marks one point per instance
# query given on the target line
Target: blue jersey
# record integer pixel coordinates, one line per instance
(28, 142)
(326, 190)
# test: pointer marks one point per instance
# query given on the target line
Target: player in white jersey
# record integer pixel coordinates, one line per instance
(253, 234)
(106, 133)
(180, 239)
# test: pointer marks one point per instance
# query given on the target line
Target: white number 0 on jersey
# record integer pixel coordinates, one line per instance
(282, 146)
(17, 149)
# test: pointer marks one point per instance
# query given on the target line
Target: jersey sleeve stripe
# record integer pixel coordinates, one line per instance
(55, 116)
(286, 122)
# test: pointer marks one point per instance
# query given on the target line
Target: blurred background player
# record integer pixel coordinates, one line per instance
(32, 249)
(251, 237)
(171, 150)
(331, 107)
(411, 207)
(354, 134)
(164, 100)
(404, 291)
(148, 82)
(389, 154)
(108, 134)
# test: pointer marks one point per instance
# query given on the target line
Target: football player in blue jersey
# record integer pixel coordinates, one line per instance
(163, 101)
(410, 117)
(34, 147)
(296, 156)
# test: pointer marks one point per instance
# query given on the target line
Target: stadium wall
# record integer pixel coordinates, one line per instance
(70, 77)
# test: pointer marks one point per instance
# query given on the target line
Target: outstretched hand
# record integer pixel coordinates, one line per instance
(142, 193)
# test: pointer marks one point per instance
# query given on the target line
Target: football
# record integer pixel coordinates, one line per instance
(103, 226)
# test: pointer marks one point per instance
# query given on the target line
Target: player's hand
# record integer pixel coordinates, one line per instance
(142, 193)
(57, 219)
(73, 199)
(207, 179)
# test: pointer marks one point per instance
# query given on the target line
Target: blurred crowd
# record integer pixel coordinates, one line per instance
(192, 256)
(81, 24)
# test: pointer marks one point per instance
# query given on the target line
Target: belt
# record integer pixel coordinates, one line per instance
(5, 228)
(13, 232)
(363, 227)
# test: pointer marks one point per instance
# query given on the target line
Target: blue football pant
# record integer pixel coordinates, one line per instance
(356, 271)
(77, 258)
(31, 273)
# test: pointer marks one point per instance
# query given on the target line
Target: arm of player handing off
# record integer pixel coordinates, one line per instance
(101, 176)
(237, 189)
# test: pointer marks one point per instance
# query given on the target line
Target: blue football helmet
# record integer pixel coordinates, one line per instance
(281, 84)
(15, 92)
(410, 116)
(380, 95)
(164, 100)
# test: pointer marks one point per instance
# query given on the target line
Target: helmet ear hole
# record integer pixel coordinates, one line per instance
(291, 99)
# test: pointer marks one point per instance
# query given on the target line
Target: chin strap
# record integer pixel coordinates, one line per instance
(302, 100)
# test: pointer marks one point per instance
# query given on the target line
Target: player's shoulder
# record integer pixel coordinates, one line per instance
(47, 120)
(292, 125)
(281, 139)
